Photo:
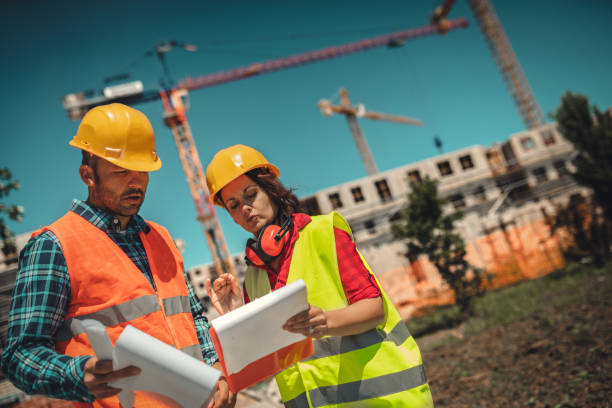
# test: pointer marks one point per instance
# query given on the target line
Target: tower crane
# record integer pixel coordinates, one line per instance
(174, 100)
(352, 113)
(438, 17)
(503, 54)
(507, 63)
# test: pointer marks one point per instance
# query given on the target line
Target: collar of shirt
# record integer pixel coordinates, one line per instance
(106, 221)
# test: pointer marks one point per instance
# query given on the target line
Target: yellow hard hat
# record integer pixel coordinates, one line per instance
(120, 134)
(229, 164)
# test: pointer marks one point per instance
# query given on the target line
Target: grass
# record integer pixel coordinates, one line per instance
(505, 305)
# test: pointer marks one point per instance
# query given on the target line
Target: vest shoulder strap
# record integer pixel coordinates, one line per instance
(315, 261)
(57, 223)
(256, 282)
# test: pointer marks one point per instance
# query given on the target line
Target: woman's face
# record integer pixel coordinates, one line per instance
(248, 204)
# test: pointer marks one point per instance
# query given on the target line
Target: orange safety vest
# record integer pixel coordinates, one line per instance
(107, 286)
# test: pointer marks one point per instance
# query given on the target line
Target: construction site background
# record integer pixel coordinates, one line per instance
(508, 228)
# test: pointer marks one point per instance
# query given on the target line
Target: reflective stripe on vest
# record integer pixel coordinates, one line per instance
(124, 313)
(107, 286)
(177, 304)
(379, 367)
(363, 389)
(334, 345)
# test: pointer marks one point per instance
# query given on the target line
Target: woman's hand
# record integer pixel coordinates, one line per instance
(311, 323)
(225, 293)
(359, 317)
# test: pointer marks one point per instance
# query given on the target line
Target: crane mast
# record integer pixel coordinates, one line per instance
(175, 118)
(507, 63)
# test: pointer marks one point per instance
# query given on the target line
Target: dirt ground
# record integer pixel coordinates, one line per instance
(559, 358)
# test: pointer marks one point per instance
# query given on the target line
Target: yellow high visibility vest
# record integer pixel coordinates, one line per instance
(379, 368)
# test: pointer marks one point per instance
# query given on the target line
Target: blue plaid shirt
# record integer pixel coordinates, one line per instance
(40, 301)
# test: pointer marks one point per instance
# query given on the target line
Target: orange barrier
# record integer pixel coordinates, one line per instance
(510, 254)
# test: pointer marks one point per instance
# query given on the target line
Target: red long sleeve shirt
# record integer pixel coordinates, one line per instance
(356, 280)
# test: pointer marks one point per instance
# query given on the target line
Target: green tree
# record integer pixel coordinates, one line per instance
(590, 131)
(14, 212)
(574, 218)
(431, 232)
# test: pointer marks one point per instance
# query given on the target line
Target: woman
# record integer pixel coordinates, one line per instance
(363, 353)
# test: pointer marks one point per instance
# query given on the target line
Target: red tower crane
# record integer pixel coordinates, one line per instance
(173, 99)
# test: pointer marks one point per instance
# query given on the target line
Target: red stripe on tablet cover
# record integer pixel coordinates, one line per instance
(264, 367)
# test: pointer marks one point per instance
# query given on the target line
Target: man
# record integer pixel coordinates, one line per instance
(101, 260)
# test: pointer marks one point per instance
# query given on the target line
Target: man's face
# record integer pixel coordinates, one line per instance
(116, 189)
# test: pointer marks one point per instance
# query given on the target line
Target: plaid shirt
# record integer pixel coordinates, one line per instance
(40, 301)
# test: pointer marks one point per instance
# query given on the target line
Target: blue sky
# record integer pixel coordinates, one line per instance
(450, 82)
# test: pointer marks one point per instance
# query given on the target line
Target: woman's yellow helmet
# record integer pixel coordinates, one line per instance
(229, 164)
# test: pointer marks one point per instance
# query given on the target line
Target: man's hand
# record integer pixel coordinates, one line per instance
(222, 397)
(99, 373)
(225, 293)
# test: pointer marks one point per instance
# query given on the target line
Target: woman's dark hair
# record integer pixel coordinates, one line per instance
(286, 202)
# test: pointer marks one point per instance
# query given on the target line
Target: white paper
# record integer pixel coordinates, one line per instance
(255, 330)
(168, 374)
(96, 332)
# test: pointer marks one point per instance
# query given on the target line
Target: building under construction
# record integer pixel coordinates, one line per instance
(507, 193)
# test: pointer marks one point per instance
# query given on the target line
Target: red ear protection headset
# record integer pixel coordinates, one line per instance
(269, 243)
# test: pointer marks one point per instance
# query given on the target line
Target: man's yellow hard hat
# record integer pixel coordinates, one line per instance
(229, 164)
(120, 134)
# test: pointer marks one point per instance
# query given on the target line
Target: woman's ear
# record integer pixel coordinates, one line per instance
(87, 175)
